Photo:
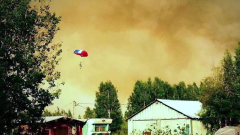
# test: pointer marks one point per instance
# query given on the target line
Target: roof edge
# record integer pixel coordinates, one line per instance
(141, 110)
(158, 100)
(176, 110)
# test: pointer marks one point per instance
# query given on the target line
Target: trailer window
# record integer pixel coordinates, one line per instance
(99, 128)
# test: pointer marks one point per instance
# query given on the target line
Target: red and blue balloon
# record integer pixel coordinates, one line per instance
(81, 53)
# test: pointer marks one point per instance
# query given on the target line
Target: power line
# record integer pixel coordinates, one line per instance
(87, 103)
(65, 105)
(94, 103)
(81, 106)
(78, 104)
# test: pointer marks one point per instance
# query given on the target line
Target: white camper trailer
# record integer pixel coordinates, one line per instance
(97, 126)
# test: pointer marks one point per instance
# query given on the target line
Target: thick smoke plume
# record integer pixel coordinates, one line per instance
(129, 40)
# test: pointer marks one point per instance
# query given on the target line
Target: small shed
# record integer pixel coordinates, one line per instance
(61, 125)
(167, 113)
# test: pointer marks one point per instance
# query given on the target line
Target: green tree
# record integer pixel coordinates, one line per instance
(229, 77)
(162, 90)
(57, 112)
(27, 61)
(186, 92)
(69, 114)
(212, 98)
(124, 129)
(140, 97)
(89, 113)
(193, 92)
(220, 93)
(237, 64)
(106, 103)
(146, 92)
(236, 87)
(180, 91)
(47, 113)
(228, 73)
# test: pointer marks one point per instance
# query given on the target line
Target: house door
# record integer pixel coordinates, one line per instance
(61, 131)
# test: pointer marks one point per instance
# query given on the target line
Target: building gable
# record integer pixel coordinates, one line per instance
(168, 109)
(157, 110)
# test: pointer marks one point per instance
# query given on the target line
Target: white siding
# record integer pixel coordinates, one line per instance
(130, 126)
(173, 124)
(157, 111)
(140, 126)
(198, 127)
(162, 116)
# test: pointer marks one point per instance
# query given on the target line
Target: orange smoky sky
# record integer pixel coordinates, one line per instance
(130, 40)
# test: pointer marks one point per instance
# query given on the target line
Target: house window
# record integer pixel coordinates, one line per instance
(99, 128)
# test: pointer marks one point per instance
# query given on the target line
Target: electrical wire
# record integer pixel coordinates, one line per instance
(94, 103)
(65, 105)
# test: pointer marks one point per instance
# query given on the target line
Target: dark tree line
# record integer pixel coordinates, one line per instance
(146, 92)
(58, 112)
(89, 113)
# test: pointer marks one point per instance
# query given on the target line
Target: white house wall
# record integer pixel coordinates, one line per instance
(161, 115)
(157, 111)
(173, 124)
(198, 128)
(139, 126)
(152, 114)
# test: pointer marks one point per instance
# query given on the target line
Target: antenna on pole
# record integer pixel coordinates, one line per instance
(109, 110)
(109, 113)
(74, 104)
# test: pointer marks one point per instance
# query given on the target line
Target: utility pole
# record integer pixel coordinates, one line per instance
(74, 104)
(109, 111)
